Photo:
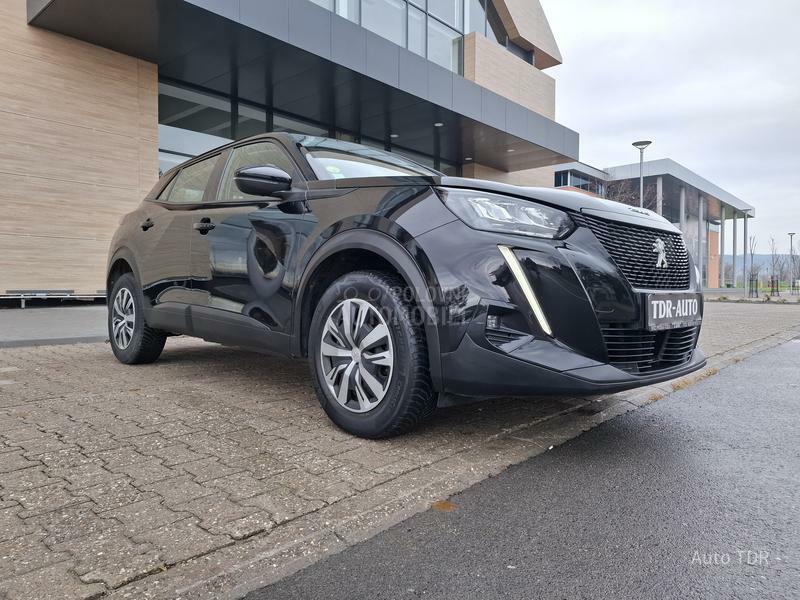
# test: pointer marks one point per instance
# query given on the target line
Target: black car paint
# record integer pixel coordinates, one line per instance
(246, 282)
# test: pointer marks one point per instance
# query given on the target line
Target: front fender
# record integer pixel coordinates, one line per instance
(410, 263)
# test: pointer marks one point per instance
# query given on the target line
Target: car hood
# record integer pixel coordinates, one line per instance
(568, 200)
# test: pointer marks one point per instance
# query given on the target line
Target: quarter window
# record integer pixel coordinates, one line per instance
(190, 184)
(253, 155)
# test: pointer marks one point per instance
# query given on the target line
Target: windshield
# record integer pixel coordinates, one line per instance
(332, 159)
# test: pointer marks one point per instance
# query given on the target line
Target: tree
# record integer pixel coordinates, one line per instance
(777, 261)
(627, 192)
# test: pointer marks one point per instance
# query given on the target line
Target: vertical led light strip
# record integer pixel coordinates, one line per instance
(522, 280)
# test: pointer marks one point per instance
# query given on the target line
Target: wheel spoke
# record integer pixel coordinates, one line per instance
(332, 330)
(381, 359)
(378, 333)
(361, 394)
(344, 386)
(373, 384)
(332, 375)
(331, 350)
(362, 312)
(347, 321)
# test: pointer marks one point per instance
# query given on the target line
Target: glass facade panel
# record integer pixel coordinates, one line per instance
(324, 3)
(449, 11)
(387, 18)
(475, 17)
(193, 110)
(292, 125)
(349, 9)
(177, 144)
(416, 31)
(444, 45)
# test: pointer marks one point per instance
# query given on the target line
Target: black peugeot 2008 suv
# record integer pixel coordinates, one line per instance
(400, 284)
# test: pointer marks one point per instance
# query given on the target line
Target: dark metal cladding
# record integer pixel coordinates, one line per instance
(632, 249)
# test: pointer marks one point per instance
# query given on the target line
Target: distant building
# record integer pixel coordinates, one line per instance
(698, 207)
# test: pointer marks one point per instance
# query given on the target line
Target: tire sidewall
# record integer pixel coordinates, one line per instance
(396, 314)
(127, 355)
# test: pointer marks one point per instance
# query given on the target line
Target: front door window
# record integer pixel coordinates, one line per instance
(253, 155)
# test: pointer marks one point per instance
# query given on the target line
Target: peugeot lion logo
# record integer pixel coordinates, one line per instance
(661, 250)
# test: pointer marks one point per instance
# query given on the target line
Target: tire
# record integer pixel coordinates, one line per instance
(139, 344)
(408, 396)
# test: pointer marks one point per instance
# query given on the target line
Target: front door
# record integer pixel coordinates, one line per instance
(240, 249)
(165, 265)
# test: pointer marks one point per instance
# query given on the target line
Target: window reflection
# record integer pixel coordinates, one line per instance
(416, 31)
(387, 18)
(444, 45)
(449, 11)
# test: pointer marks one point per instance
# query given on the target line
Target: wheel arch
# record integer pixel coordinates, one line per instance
(121, 262)
(378, 249)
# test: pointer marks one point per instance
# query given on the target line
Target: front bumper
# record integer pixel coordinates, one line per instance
(579, 289)
(533, 367)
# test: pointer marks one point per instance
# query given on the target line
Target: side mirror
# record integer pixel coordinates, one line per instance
(262, 181)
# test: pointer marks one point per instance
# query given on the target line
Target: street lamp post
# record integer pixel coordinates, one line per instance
(791, 263)
(641, 147)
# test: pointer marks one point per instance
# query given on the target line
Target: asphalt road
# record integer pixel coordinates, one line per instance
(664, 502)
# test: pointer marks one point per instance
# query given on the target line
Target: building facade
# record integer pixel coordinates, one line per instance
(701, 209)
(98, 97)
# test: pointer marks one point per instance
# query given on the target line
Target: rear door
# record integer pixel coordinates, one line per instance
(239, 255)
(164, 264)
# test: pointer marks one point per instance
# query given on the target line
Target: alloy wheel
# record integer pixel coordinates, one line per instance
(356, 355)
(123, 318)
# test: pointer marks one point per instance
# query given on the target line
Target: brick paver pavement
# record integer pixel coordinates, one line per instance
(113, 477)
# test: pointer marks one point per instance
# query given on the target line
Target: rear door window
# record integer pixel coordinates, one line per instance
(189, 186)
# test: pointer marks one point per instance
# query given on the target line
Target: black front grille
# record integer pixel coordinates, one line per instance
(633, 250)
(640, 351)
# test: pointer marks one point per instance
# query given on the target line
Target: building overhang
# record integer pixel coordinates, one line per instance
(655, 168)
(295, 57)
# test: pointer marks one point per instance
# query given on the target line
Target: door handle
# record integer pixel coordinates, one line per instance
(147, 224)
(204, 226)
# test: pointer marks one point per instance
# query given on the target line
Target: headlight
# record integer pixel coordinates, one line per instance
(505, 214)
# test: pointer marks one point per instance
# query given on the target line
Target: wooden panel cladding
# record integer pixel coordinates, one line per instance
(527, 26)
(493, 67)
(79, 127)
(541, 177)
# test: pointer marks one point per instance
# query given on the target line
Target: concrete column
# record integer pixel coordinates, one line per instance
(722, 246)
(734, 246)
(660, 196)
(745, 277)
(683, 209)
(701, 226)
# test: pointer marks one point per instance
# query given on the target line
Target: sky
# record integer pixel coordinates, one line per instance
(714, 83)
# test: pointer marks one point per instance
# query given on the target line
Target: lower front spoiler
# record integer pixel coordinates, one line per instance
(473, 370)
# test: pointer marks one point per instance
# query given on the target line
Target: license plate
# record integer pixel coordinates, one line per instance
(669, 311)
